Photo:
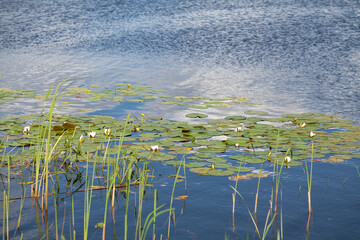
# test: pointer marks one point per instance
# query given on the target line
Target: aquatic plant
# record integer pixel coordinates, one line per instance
(47, 143)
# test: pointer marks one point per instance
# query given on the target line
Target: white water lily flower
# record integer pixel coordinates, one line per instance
(26, 129)
(154, 148)
(92, 134)
(81, 139)
(303, 124)
(240, 129)
(236, 145)
(288, 159)
(107, 131)
(312, 134)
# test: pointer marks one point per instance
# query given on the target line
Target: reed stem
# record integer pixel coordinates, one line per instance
(172, 198)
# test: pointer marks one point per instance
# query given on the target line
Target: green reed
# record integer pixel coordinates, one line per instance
(276, 175)
(257, 190)
(309, 176)
(111, 180)
(88, 195)
(267, 223)
(21, 208)
(154, 221)
(56, 215)
(172, 198)
(128, 179)
(151, 219)
(5, 214)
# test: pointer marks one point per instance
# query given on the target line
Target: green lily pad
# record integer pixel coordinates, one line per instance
(196, 115)
(201, 171)
(219, 172)
(247, 159)
(235, 118)
(256, 112)
(156, 156)
(199, 107)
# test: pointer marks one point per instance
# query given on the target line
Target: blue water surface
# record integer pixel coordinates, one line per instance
(293, 56)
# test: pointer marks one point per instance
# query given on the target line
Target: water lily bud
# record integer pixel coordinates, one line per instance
(269, 154)
(143, 115)
(303, 124)
(92, 134)
(26, 130)
(107, 131)
(287, 159)
(212, 166)
(81, 139)
(312, 134)
(129, 86)
(154, 148)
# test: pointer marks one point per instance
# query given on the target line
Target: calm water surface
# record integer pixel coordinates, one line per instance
(294, 56)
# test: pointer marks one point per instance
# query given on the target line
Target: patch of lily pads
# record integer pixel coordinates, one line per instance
(220, 147)
(11, 95)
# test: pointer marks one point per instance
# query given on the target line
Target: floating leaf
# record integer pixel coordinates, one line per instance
(194, 164)
(182, 197)
(247, 176)
(336, 158)
(219, 172)
(201, 171)
(99, 225)
(156, 156)
(174, 176)
(247, 159)
(256, 112)
(196, 115)
(199, 106)
(235, 118)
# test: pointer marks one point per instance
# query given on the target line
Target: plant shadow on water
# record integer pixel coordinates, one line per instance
(94, 176)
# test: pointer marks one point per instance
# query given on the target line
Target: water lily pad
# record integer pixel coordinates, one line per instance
(236, 118)
(219, 105)
(212, 150)
(247, 176)
(180, 150)
(219, 172)
(156, 156)
(196, 115)
(173, 162)
(199, 107)
(247, 159)
(256, 112)
(201, 171)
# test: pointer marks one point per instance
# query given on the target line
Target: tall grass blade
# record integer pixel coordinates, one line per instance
(151, 218)
(172, 198)
(154, 222)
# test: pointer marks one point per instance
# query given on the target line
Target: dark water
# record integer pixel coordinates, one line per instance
(295, 56)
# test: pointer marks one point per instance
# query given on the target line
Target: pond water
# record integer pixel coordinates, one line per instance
(292, 56)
